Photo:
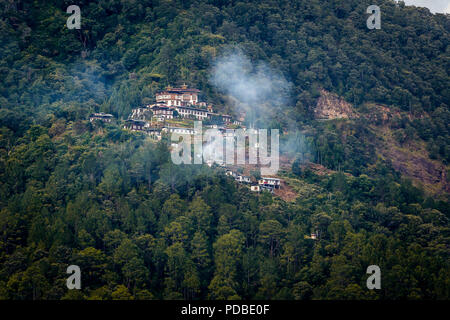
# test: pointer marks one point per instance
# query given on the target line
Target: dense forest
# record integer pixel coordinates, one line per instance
(111, 201)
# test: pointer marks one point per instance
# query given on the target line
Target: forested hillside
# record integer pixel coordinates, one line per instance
(140, 227)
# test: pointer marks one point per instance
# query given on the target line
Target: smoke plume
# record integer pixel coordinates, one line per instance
(253, 88)
(263, 94)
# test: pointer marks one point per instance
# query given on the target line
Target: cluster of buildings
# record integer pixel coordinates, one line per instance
(155, 131)
(265, 183)
(268, 184)
(177, 97)
(184, 102)
(172, 103)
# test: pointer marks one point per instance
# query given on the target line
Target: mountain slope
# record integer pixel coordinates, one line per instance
(140, 227)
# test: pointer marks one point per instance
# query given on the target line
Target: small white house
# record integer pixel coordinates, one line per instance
(270, 182)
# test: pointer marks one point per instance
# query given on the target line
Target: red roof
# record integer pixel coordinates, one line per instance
(179, 90)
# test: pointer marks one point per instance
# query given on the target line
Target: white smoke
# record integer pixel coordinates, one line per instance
(262, 92)
(254, 88)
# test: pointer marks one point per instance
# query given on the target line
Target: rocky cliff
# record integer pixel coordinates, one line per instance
(331, 106)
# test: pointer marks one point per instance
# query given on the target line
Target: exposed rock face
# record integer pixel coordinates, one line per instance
(330, 106)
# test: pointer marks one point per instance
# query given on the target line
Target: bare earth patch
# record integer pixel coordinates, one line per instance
(412, 161)
(286, 192)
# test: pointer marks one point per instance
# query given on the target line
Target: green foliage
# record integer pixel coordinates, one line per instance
(139, 227)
